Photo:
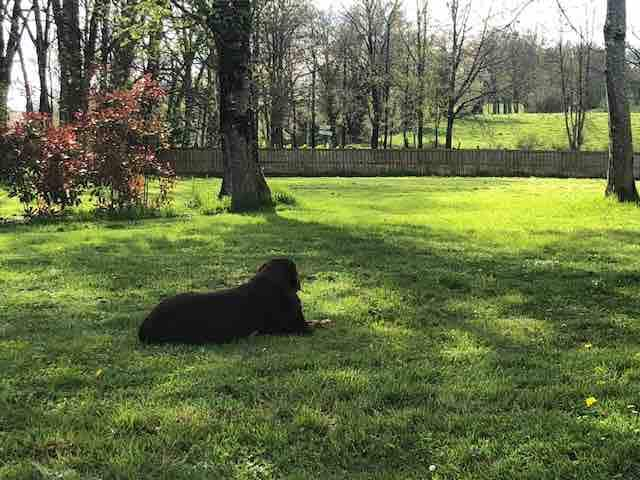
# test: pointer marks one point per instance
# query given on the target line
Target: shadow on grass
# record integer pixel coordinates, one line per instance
(470, 341)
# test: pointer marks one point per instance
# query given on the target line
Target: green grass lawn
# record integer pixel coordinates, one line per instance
(473, 317)
(540, 131)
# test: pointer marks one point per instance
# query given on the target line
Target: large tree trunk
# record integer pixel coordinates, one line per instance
(72, 97)
(620, 181)
(231, 23)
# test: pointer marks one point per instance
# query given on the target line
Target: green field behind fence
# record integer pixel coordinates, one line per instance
(534, 131)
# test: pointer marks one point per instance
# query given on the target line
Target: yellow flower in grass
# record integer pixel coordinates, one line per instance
(591, 401)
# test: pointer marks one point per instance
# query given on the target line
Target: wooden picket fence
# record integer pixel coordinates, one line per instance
(373, 163)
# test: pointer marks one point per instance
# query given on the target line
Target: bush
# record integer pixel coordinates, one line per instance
(47, 166)
(110, 150)
(124, 135)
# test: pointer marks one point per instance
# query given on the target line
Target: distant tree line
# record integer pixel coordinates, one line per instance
(368, 74)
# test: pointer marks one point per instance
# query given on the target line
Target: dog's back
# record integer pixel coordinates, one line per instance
(200, 318)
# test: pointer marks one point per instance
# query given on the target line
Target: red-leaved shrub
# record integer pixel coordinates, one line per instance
(109, 150)
(47, 168)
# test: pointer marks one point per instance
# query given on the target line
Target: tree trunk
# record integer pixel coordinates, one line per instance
(41, 43)
(375, 120)
(313, 105)
(189, 106)
(276, 134)
(27, 85)
(154, 53)
(620, 180)
(420, 127)
(343, 132)
(294, 121)
(7, 54)
(450, 120)
(231, 24)
(72, 94)
(45, 104)
(4, 97)
(125, 46)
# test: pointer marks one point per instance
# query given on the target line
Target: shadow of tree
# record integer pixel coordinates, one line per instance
(475, 353)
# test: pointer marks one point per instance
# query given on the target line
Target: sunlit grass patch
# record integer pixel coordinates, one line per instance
(472, 320)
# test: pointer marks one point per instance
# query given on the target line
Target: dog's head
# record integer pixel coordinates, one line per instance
(283, 272)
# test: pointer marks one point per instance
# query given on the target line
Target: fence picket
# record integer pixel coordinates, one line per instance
(353, 162)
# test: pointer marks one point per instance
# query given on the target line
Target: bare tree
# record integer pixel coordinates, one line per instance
(281, 23)
(468, 60)
(8, 50)
(372, 20)
(329, 73)
(575, 69)
(41, 39)
(420, 61)
(620, 179)
(27, 84)
(353, 91)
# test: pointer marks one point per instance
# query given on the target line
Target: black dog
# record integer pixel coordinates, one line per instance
(267, 304)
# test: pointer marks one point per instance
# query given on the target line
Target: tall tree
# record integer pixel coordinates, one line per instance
(620, 180)
(279, 30)
(124, 39)
(329, 68)
(8, 50)
(231, 24)
(575, 69)
(468, 60)
(77, 47)
(414, 76)
(41, 40)
(372, 21)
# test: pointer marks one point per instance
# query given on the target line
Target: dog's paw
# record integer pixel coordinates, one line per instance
(321, 323)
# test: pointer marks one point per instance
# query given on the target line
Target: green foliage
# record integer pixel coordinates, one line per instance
(474, 318)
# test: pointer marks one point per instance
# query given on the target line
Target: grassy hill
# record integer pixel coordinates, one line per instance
(539, 131)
